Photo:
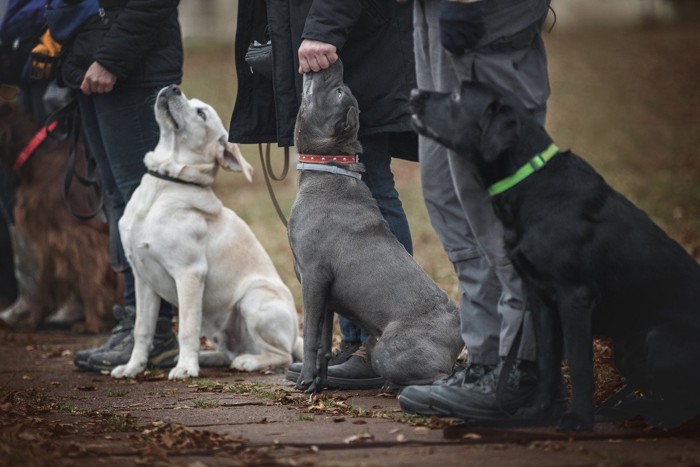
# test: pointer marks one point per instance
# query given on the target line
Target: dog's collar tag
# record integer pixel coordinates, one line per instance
(530, 167)
(325, 159)
(334, 169)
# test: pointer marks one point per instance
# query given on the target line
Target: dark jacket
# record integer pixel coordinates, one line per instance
(374, 39)
(140, 43)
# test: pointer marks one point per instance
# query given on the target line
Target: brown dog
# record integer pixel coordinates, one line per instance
(73, 254)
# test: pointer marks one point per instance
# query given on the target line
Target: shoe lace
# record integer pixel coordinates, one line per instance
(361, 352)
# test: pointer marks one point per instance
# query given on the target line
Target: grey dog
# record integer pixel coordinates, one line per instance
(349, 262)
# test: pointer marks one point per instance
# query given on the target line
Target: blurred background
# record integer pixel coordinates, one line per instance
(625, 96)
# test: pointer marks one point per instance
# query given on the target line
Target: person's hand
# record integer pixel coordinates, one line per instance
(97, 80)
(461, 25)
(316, 56)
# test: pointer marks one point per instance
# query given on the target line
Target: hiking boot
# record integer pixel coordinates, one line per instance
(464, 373)
(475, 401)
(125, 317)
(164, 350)
(338, 356)
(355, 373)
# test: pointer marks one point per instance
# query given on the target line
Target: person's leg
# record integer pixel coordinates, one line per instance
(479, 400)
(380, 180)
(120, 128)
(8, 281)
(479, 285)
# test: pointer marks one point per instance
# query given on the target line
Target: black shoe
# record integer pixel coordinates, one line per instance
(164, 350)
(339, 355)
(417, 398)
(476, 401)
(466, 373)
(125, 317)
(355, 373)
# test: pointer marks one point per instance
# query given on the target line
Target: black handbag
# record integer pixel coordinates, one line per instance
(259, 58)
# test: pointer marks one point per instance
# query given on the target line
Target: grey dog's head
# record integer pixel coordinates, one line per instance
(328, 117)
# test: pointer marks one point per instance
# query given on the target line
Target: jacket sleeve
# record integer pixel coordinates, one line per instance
(331, 21)
(133, 34)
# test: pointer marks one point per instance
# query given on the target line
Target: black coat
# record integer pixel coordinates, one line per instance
(374, 39)
(140, 43)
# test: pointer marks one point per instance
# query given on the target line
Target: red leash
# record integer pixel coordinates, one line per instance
(33, 144)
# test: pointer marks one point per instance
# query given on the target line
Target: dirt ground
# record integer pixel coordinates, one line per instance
(53, 414)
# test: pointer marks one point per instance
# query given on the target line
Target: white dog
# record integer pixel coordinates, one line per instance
(185, 247)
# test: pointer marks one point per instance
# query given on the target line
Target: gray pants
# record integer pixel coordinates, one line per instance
(493, 305)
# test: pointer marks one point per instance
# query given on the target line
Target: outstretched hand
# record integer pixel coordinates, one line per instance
(461, 25)
(316, 56)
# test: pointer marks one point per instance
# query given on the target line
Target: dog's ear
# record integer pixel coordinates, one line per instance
(500, 130)
(352, 118)
(350, 124)
(232, 159)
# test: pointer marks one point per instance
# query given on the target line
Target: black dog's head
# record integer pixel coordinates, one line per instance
(476, 118)
(328, 117)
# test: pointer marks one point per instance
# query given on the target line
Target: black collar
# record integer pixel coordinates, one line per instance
(167, 177)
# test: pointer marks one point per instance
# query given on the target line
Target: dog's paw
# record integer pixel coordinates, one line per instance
(246, 362)
(571, 422)
(126, 371)
(183, 372)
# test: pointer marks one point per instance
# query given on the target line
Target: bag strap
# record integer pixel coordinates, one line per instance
(268, 172)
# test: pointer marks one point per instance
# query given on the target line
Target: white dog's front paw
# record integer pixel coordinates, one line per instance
(184, 372)
(126, 371)
(246, 362)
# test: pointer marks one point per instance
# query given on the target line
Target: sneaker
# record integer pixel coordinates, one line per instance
(338, 356)
(164, 350)
(125, 317)
(474, 401)
(417, 398)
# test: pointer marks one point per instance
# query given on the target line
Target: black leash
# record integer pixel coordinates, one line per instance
(267, 171)
(69, 127)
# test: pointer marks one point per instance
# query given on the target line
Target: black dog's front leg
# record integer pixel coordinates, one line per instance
(576, 314)
(549, 355)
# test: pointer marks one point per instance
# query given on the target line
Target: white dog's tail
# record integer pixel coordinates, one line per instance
(298, 349)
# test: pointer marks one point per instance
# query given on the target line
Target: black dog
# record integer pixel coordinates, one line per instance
(595, 263)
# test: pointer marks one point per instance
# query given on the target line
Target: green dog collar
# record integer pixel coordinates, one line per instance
(532, 166)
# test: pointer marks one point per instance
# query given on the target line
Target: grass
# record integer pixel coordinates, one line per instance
(205, 403)
(625, 99)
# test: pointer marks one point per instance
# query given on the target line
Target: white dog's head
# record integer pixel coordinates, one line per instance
(193, 141)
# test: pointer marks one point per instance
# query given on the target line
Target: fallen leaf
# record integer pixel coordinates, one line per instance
(358, 438)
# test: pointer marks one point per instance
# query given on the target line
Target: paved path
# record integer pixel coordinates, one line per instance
(54, 414)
